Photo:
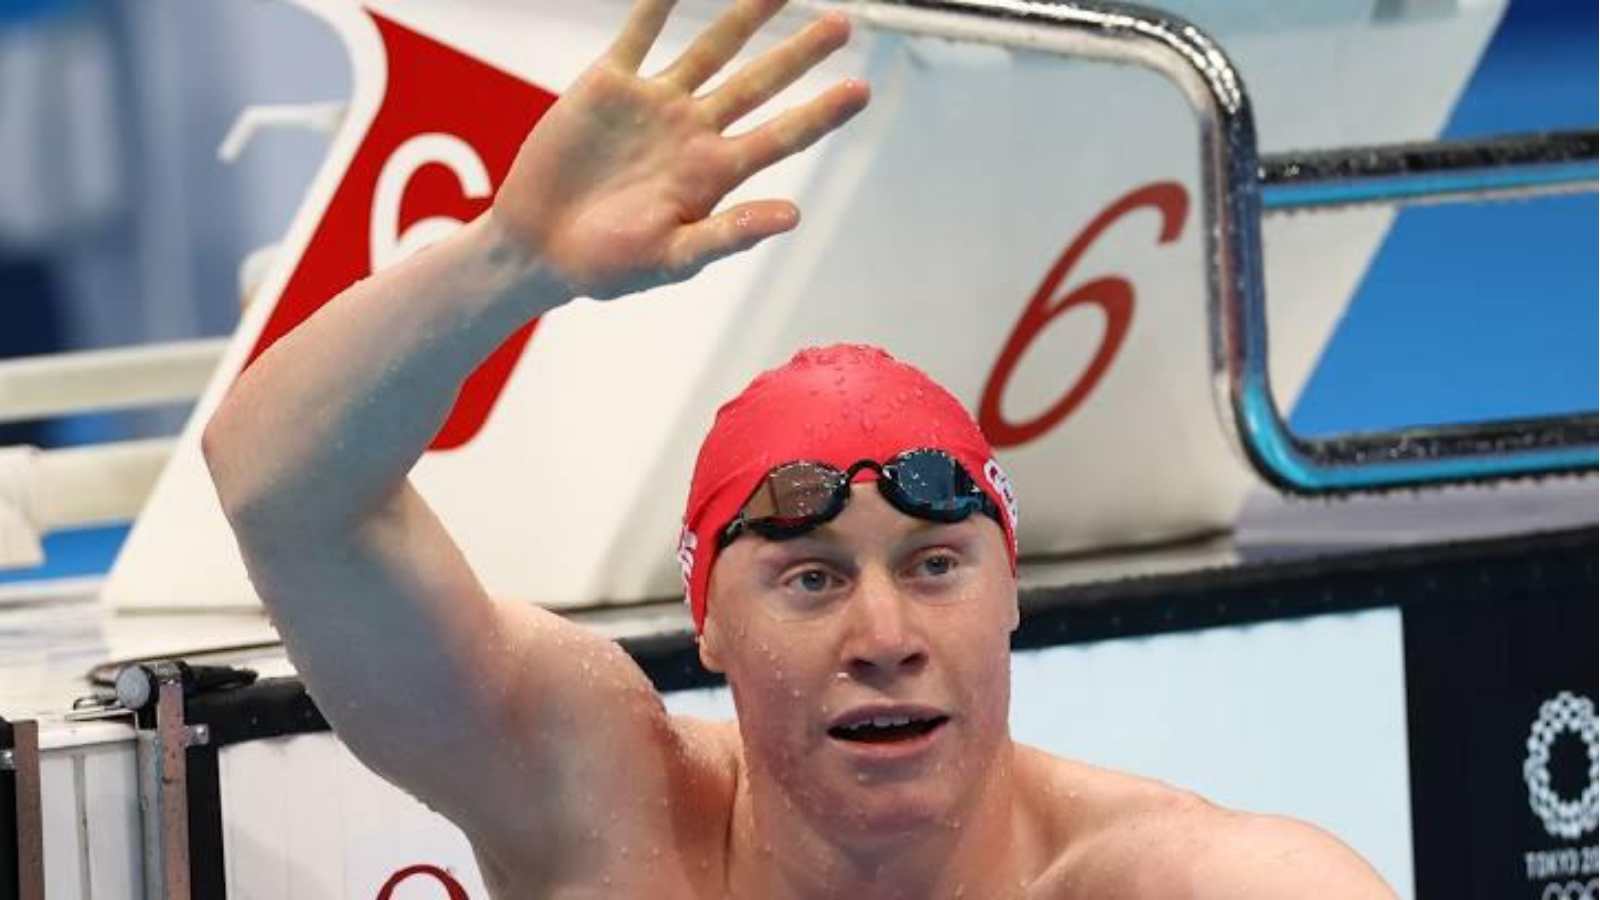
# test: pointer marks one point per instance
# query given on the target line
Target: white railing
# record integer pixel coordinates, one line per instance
(60, 384)
(47, 490)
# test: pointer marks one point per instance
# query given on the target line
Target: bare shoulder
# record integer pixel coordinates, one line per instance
(711, 752)
(1071, 802)
(645, 802)
(580, 762)
(1251, 855)
(1112, 834)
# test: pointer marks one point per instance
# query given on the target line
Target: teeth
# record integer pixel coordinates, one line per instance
(881, 722)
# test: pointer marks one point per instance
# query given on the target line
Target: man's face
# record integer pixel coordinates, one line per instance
(875, 615)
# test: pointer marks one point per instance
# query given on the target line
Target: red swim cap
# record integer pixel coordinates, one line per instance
(836, 405)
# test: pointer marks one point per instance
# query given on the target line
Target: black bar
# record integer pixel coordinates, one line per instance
(208, 877)
(1395, 160)
(10, 834)
(1442, 441)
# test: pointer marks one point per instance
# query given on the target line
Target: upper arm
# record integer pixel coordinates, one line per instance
(517, 724)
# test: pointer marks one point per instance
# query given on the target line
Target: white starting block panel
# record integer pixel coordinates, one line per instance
(1025, 228)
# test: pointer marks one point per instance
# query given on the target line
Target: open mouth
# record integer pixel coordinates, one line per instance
(886, 729)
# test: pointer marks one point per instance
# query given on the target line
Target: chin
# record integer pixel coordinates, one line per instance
(889, 808)
(903, 809)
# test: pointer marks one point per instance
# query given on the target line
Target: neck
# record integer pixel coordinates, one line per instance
(782, 850)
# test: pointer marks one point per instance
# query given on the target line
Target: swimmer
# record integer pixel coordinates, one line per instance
(856, 585)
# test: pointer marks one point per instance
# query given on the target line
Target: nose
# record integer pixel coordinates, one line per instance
(885, 639)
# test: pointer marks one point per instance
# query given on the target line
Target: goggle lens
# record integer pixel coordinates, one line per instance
(799, 496)
(793, 494)
(930, 484)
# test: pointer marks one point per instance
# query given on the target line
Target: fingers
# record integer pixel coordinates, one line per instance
(775, 70)
(799, 128)
(730, 232)
(639, 33)
(720, 43)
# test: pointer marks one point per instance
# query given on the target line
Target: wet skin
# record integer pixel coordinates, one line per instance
(544, 742)
(874, 610)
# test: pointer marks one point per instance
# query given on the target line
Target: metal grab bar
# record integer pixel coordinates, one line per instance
(1508, 167)
(1231, 188)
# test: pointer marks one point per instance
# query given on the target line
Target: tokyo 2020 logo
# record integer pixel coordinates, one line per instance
(1570, 890)
(1563, 817)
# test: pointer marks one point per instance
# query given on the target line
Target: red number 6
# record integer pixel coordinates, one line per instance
(1114, 296)
(452, 886)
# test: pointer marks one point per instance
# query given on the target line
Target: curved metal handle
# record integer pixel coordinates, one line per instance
(1231, 189)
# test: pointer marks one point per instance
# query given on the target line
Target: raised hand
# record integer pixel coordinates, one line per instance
(616, 189)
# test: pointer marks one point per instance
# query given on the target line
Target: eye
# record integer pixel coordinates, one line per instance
(814, 580)
(937, 564)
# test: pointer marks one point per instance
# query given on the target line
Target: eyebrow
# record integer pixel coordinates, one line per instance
(827, 537)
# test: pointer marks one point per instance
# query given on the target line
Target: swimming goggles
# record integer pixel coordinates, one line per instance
(796, 497)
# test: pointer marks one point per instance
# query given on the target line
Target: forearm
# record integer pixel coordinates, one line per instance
(323, 428)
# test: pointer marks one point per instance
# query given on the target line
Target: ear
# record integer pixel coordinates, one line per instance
(710, 644)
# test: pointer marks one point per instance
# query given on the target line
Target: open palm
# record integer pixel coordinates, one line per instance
(616, 189)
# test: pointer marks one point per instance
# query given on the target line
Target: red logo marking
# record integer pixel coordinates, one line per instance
(445, 133)
(451, 885)
(1113, 294)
